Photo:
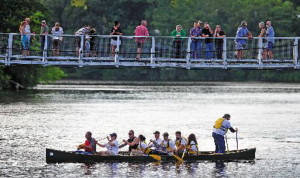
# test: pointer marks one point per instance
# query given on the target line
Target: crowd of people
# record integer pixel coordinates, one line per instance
(85, 36)
(157, 145)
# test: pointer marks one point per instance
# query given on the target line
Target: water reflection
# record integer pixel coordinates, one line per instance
(219, 170)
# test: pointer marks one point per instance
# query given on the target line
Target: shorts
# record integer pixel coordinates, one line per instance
(25, 40)
(270, 45)
(240, 46)
(56, 43)
(115, 42)
(139, 44)
(264, 45)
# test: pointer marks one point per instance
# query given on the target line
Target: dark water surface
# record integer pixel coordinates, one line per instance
(57, 116)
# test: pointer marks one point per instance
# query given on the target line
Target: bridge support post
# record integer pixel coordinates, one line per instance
(295, 53)
(9, 49)
(80, 56)
(117, 52)
(224, 54)
(260, 51)
(152, 56)
(45, 50)
(188, 54)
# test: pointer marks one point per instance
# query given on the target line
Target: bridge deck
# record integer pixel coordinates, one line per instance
(157, 52)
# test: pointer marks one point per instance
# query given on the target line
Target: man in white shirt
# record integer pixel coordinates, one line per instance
(167, 144)
(220, 129)
(112, 146)
(155, 144)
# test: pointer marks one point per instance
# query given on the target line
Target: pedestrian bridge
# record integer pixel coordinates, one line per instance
(158, 51)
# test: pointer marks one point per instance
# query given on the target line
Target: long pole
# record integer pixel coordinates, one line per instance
(237, 141)
(226, 143)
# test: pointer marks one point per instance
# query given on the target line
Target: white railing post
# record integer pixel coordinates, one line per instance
(81, 51)
(188, 53)
(224, 53)
(260, 51)
(295, 52)
(152, 51)
(45, 49)
(117, 51)
(9, 49)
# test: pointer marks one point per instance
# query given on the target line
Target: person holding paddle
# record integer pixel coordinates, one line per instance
(219, 131)
(133, 141)
(180, 143)
(112, 146)
(89, 145)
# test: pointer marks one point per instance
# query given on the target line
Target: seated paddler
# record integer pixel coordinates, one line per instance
(112, 146)
(132, 142)
(155, 143)
(89, 146)
(180, 143)
(192, 145)
(168, 146)
(143, 148)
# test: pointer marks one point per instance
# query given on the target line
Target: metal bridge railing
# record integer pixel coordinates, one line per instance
(159, 51)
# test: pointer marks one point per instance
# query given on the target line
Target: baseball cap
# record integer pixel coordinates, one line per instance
(43, 21)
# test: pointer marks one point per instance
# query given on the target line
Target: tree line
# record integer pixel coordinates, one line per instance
(162, 17)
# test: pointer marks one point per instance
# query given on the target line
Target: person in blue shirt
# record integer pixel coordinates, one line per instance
(241, 43)
(196, 43)
(270, 37)
(219, 131)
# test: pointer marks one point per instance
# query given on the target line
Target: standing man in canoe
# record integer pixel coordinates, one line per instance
(132, 142)
(89, 145)
(220, 129)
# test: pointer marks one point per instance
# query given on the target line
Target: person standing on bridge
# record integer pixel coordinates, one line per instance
(196, 46)
(140, 30)
(270, 37)
(240, 44)
(80, 34)
(116, 30)
(219, 130)
(208, 33)
(44, 31)
(23, 38)
(57, 38)
(178, 41)
(219, 33)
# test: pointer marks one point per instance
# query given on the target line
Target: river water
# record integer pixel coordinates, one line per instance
(57, 116)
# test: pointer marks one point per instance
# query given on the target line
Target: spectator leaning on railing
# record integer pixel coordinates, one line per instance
(240, 44)
(57, 38)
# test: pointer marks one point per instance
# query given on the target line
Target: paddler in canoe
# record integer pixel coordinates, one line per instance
(132, 142)
(89, 146)
(112, 146)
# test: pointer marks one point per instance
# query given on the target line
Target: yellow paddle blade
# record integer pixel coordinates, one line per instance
(178, 158)
(156, 157)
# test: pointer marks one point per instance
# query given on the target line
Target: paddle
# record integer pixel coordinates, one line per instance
(226, 143)
(170, 154)
(236, 138)
(156, 157)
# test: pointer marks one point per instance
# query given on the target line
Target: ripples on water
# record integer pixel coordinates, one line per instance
(57, 116)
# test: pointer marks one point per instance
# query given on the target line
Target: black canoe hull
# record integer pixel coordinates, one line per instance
(56, 156)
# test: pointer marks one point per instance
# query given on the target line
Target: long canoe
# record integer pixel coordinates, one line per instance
(57, 156)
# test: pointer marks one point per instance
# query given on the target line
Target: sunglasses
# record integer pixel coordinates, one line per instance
(130, 133)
